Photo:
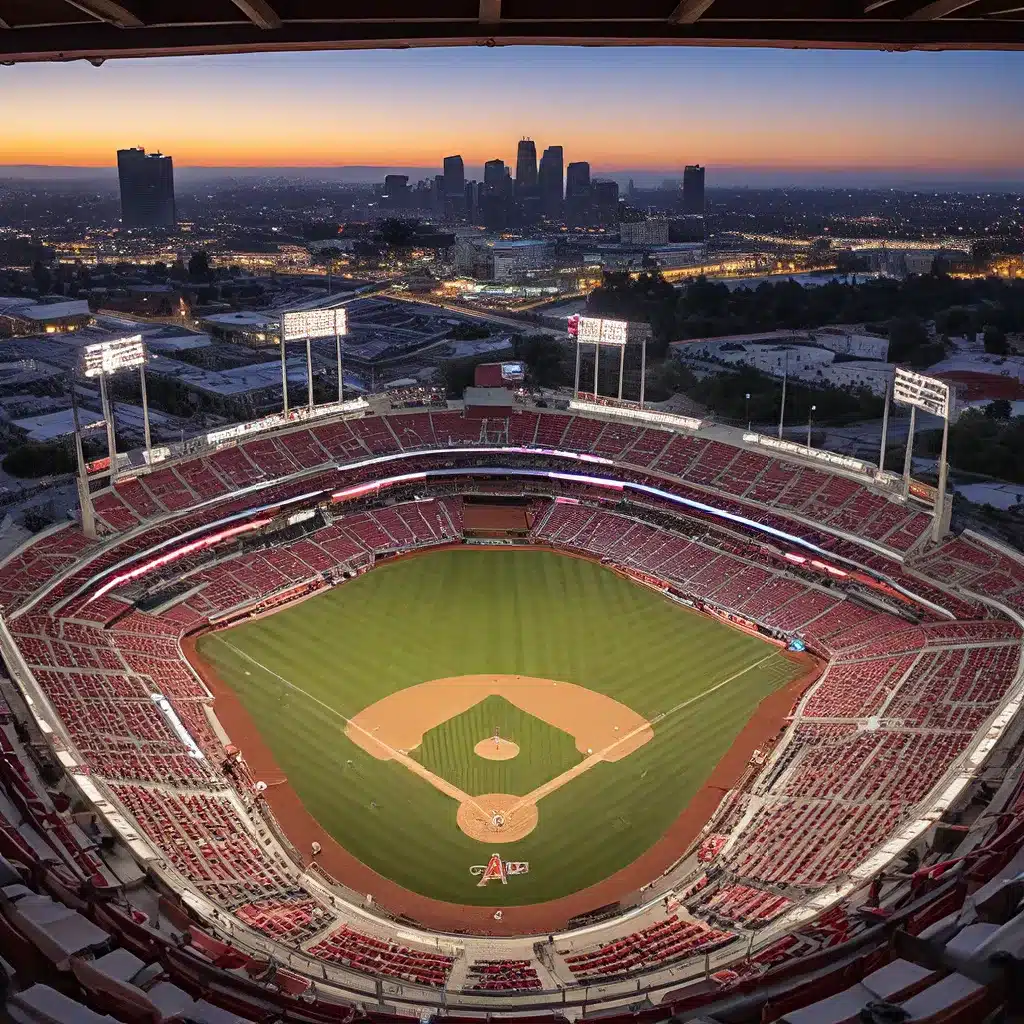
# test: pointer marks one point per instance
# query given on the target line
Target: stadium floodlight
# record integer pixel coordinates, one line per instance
(933, 396)
(313, 323)
(929, 394)
(105, 358)
(305, 325)
(596, 331)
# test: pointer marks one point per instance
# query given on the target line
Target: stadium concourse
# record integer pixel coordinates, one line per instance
(868, 855)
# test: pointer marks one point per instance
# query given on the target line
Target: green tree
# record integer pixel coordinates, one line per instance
(41, 277)
(545, 359)
(35, 460)
(995, 341)
(955, 321)
(1000, 409)
(199, 266)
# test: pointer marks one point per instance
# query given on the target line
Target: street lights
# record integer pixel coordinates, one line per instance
(810, 421)
(747, 417)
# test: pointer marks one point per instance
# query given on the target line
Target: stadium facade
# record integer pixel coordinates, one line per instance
(801, 866)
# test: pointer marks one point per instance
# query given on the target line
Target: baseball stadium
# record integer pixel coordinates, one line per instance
(492, 708)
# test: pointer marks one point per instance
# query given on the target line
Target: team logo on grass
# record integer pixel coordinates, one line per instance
(498, 870)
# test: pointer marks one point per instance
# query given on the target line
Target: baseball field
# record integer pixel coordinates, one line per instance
(462, 703)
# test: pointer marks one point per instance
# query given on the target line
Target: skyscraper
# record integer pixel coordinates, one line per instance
(147, 189)
(454, 176)
(396, 193)
(693, 190)
(606, 201)
(495, 196)
(577, 179)
(577, 194)
(549, 180)
(526, 167)
(494, 174)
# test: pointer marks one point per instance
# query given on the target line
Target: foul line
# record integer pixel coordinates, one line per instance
(592, 759)
(414, 766)
(535, 795)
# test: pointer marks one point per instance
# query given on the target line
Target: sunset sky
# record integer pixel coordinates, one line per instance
(653, 109)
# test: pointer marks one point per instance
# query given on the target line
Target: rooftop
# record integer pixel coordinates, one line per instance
(241, 319)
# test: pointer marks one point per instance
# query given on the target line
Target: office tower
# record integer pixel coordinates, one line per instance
(473, 191)
(693, 190)
(147, 189)
(577, 194)
(396, 194)
(549, 180)
(494, 174)
(526, 167)
(454, 176)
(605, 196)
(577, 179)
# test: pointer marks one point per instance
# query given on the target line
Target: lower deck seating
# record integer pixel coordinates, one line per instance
(375, 956)
(503, 976)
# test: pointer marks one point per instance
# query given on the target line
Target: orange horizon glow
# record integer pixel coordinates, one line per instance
(643, 110)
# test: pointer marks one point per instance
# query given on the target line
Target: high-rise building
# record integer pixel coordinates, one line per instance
(494, 174)
(606, 201)
(526, 167)
(577, 179)
(454, 176)
(693, 190)
(147, 189)
(472, 201)
(549, 180)
(495, 197)
(577, 194)
(396, 195)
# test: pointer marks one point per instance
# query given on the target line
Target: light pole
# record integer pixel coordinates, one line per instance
(782, 408)
(747, 417)
(810, 421)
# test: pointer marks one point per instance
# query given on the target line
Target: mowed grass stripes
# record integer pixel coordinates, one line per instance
(544, 751)
(469, 612)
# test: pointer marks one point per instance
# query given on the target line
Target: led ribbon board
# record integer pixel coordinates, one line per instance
(104, 358)
(313, 323)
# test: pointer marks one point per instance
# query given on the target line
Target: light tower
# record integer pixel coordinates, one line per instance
(305, 325)
(933, 396)
(101, 360)
(624, 383)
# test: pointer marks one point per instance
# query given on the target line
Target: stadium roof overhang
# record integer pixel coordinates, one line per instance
(34, 30)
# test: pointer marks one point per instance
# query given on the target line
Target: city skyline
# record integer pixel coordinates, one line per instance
(655, 110)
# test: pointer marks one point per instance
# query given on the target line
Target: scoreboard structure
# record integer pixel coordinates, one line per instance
(611, 360)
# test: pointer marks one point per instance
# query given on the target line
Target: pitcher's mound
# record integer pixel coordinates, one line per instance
(497, 818)
(496, 749)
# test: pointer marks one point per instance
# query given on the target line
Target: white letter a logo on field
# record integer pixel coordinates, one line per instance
(495, 871)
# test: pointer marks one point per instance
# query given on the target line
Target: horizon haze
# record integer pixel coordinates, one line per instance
(758, 117)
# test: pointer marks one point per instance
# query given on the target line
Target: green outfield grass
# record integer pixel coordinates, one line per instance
(301, 671)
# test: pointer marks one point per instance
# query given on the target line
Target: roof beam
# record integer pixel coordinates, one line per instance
(490, 12)
(874, 5)
(260, 13)
(938, 9)
(108, 11)
(689, 12)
